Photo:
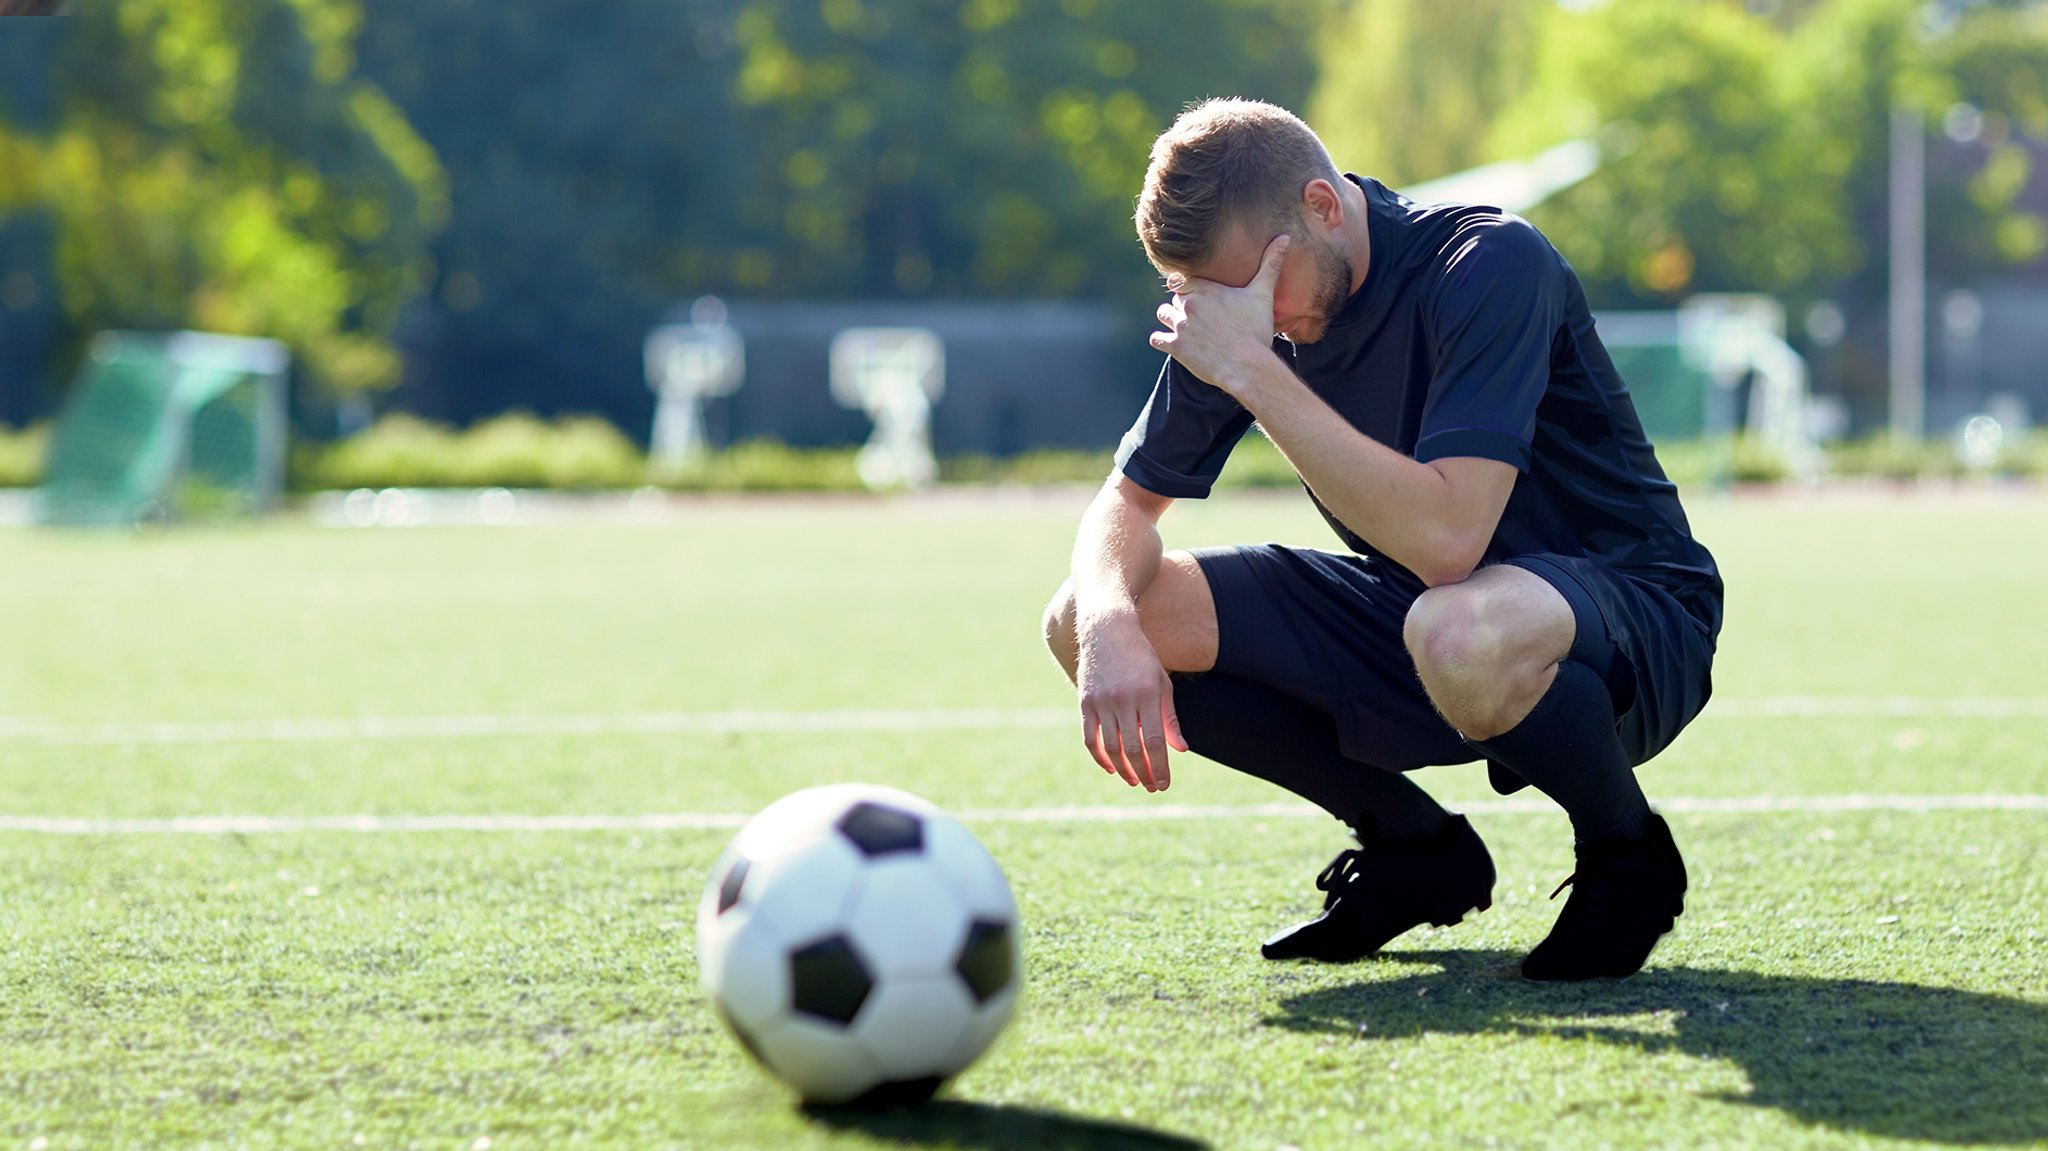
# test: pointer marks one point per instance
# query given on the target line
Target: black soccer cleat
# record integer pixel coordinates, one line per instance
(1625, 895)
(1379, 891)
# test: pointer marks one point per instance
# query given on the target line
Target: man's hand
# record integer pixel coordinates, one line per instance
(1127, 719)
(1220, 333)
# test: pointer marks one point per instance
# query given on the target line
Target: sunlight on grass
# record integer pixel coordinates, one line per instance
(1839, 979)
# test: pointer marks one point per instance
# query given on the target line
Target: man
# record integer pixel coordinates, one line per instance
(1521, 585)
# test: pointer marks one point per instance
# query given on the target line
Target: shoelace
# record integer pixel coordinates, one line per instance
(1597, 910)
(1338, 873)
(1568, 880)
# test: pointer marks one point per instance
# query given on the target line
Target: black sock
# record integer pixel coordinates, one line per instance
(1566, 747)
(1267, 733)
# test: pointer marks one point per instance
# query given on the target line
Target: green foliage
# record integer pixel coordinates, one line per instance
(1749, 153)
(21, 454)
(1884, 456)
(1753, 462)
(770, 466)
(976, 148)
(397, 451)
(1256, 462)
(1407, 90)
(519, 450)
(875, 119)
(1253, 463)
(1700, 464)
(217, 165)
(516, 450)
(1712, 175)
(2029, 457)
(791, 148)
(1995, 62)
(1042, 467)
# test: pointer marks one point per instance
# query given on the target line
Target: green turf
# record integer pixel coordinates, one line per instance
(1869, 978)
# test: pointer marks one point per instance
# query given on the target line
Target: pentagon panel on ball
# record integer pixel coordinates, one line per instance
(861, 944)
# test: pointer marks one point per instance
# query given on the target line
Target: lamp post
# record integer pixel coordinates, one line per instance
(1908, 345)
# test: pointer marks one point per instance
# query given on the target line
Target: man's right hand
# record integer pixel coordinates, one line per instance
(1127, 718)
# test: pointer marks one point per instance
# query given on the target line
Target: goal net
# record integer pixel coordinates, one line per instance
(163, 426)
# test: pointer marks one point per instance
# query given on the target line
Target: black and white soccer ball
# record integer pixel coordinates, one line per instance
(860, 943)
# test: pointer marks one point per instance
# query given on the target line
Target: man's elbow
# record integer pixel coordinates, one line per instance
(1120, 491)
(1452, 560)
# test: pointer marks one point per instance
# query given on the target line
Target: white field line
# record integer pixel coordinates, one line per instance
(1879, 707)
(1127, 813)
(459, 726)
(851, 720)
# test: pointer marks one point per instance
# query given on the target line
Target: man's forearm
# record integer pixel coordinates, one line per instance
(1406, 509)
(1116, 557)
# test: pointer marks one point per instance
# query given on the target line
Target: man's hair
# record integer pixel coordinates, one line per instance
(1225, 161)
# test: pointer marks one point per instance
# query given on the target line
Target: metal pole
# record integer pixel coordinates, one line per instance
(1908, 273)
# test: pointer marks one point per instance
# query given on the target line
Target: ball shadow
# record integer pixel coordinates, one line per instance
(956, 1123)
(1891, 1059)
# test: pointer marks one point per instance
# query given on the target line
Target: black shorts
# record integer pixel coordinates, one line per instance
(1326, 628)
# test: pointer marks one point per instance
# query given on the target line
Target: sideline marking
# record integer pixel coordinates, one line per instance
(1132, 813)
(852, 720)
(459, 726)
(1899, 706)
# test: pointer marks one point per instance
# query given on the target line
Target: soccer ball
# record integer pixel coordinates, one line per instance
(860, 943)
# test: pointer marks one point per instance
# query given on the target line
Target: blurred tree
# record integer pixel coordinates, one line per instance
(609, 158)
(594, 170)
(1747, 151)
(217, 164)
(1985, 85)
(1719, 172)
(976, 147)
(29, 317)
(1408, 89)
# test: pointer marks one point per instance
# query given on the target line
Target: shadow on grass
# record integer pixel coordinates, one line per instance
(959, 1124)
(1891, 1059)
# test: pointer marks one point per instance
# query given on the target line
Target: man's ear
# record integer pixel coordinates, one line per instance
(1319, 199)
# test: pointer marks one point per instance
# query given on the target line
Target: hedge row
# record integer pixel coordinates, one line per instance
(21, 455)
(588, 453)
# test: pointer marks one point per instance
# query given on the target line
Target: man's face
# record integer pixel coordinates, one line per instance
(1315, 280)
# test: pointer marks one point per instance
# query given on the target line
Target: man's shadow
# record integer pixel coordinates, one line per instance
(973, 1125)
(1892, 1059)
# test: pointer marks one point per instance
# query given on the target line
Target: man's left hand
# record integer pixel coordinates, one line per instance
(1224, 335)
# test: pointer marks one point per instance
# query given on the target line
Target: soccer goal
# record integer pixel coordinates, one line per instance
(163, 426)
(1716, 368)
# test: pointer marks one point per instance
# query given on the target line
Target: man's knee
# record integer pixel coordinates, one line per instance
(1453, 634)
(1059, 628)
(1177, 613)
(1484, 648)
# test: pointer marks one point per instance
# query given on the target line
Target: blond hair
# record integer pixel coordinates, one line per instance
(1225, 161)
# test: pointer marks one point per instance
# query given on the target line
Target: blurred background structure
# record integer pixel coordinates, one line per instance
(449, 214)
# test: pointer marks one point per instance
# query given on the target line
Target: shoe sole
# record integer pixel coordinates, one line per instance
(1475, 909)
(1482, 905)
(1668, 929)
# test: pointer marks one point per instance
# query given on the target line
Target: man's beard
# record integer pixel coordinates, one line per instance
(1333, 290)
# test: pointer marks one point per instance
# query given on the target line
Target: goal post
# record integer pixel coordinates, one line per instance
(164, 426)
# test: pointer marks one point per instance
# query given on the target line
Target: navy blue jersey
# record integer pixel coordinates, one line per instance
(1469, 337)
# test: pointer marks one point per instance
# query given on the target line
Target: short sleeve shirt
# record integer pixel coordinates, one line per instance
(1470, 337)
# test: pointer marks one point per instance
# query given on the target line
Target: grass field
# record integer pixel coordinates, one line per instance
(378, 950)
